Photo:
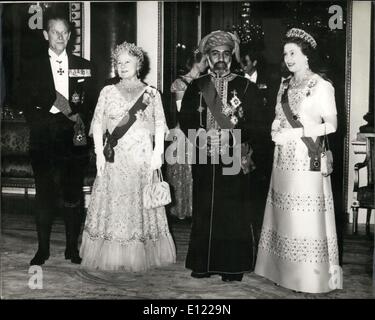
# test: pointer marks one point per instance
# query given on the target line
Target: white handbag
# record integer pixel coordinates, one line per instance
(156, 194)
(326, 161)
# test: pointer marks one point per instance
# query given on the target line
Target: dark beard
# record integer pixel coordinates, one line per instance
(220, 68)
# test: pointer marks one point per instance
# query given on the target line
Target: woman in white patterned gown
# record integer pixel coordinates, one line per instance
(298, 245)
(119, 233)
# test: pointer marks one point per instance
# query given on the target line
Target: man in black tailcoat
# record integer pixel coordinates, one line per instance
(55, 97)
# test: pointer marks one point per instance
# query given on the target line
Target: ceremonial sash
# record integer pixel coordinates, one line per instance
(61, 103)
(214, 103)
(124, 125)
(313, 147)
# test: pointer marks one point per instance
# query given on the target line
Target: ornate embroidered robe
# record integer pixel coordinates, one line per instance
(221, 239)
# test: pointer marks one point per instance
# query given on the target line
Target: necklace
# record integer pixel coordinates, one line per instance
(295, 84)
(130, 85)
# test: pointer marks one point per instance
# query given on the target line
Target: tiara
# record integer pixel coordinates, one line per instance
(129, 47)
(299, 33)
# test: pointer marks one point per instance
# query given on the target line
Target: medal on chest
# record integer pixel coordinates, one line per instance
(234, 109)
(75, 98)
(235, 101)
(60, 71)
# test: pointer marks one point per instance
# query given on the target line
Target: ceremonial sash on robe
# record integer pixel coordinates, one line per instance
(215, 105)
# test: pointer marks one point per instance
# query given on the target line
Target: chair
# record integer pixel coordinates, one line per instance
(17, 175)
(363, 197)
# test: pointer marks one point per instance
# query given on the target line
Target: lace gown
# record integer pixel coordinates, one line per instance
(119, 233)
(298, 244)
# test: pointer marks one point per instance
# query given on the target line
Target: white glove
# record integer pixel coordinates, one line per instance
(279, 139)
(285, 135)
(100, 163)
(156, 160)
(307, 131)
(320, 129)
(292, 133)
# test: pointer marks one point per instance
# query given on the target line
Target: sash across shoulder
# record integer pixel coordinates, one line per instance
(124, 125)
(313, 147)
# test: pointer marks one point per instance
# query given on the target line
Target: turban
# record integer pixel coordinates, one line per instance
(220, 38)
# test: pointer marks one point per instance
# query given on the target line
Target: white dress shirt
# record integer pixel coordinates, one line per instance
(60, 68)
(253, 78)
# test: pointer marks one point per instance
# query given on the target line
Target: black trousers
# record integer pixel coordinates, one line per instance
(58, 168)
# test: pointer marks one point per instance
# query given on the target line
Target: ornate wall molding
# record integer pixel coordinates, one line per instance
(348, 68)
(76, 17)
(160, 46)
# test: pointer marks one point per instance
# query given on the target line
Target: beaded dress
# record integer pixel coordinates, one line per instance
(119, 233)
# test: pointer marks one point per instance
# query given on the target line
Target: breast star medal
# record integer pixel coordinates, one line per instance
(235, 101)
(75, 98)
(227, 110)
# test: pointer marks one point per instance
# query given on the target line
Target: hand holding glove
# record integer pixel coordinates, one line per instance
(291, 133)
(279, 139)
(286, 134)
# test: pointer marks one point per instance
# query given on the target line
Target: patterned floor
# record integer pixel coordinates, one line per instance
(63, 280)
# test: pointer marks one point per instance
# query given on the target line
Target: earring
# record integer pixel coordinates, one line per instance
(137, 73)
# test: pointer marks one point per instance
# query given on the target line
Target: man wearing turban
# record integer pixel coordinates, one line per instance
(223, 103)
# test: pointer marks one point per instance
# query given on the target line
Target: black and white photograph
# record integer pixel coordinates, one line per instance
(186, 151)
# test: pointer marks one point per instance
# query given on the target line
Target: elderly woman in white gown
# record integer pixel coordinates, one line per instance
(119, 232)
(298, 245)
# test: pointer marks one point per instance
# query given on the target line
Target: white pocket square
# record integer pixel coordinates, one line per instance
(80, 80)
